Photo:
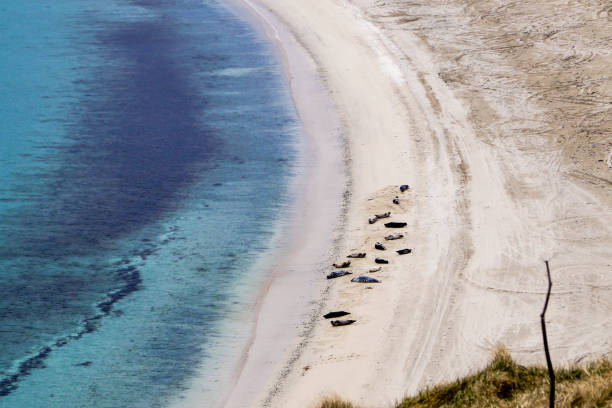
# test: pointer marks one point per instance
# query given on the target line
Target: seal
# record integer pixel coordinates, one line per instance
(337, 323)
(357, 255)
(394, 236)
(381, 261)
(364, 279)
(331, 315)
(383, 215)
(375, 269)
(396, 200)
(395, 224)
(337, 274)
(372, 220)
(344, 264)
(404, 187)
(404, 251)
(379, 246)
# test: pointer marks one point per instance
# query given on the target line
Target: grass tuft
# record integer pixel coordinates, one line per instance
(335, 403)
(503, 383)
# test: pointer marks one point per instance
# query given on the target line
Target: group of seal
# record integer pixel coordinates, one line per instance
(378, 246)
(358, 279)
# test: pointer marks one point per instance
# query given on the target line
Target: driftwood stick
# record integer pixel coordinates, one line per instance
(551, 371)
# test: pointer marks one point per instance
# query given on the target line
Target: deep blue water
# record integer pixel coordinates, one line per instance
(145, 153)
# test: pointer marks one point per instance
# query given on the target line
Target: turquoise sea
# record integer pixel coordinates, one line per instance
(146, 150)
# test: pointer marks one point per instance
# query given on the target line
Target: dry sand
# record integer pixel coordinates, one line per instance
(498, 116)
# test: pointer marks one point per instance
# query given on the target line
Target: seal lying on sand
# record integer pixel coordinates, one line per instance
(337, 274)
(372, 220)
(379, 246)
(395, 224)
(383, 215)
(337, 323)
(404, 251)
(396, 200)
(364, 279)
(404, 187)
(335, 314)
(357, 255)
(344, 264)
(381, 261)
(375, 269)
(394, 236)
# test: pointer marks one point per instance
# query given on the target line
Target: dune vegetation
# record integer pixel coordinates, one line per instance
(504, 383)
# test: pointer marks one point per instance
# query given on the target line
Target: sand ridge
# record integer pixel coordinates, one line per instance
(492, 195)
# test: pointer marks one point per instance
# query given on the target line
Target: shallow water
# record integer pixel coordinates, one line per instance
(146, 151)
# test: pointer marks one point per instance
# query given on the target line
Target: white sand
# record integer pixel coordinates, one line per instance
(482, 216)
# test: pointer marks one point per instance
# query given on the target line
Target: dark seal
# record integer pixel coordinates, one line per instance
(331, 315)
(364, 279)
(337, 323)
(337, 274)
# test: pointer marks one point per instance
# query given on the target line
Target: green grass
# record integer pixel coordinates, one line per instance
(503, 383)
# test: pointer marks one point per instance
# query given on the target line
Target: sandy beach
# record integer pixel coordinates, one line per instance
(498, 117)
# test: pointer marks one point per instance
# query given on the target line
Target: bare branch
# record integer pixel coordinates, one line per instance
(551, 371)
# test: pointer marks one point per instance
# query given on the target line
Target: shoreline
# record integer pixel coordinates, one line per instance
(278, 336)
(287, 298)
